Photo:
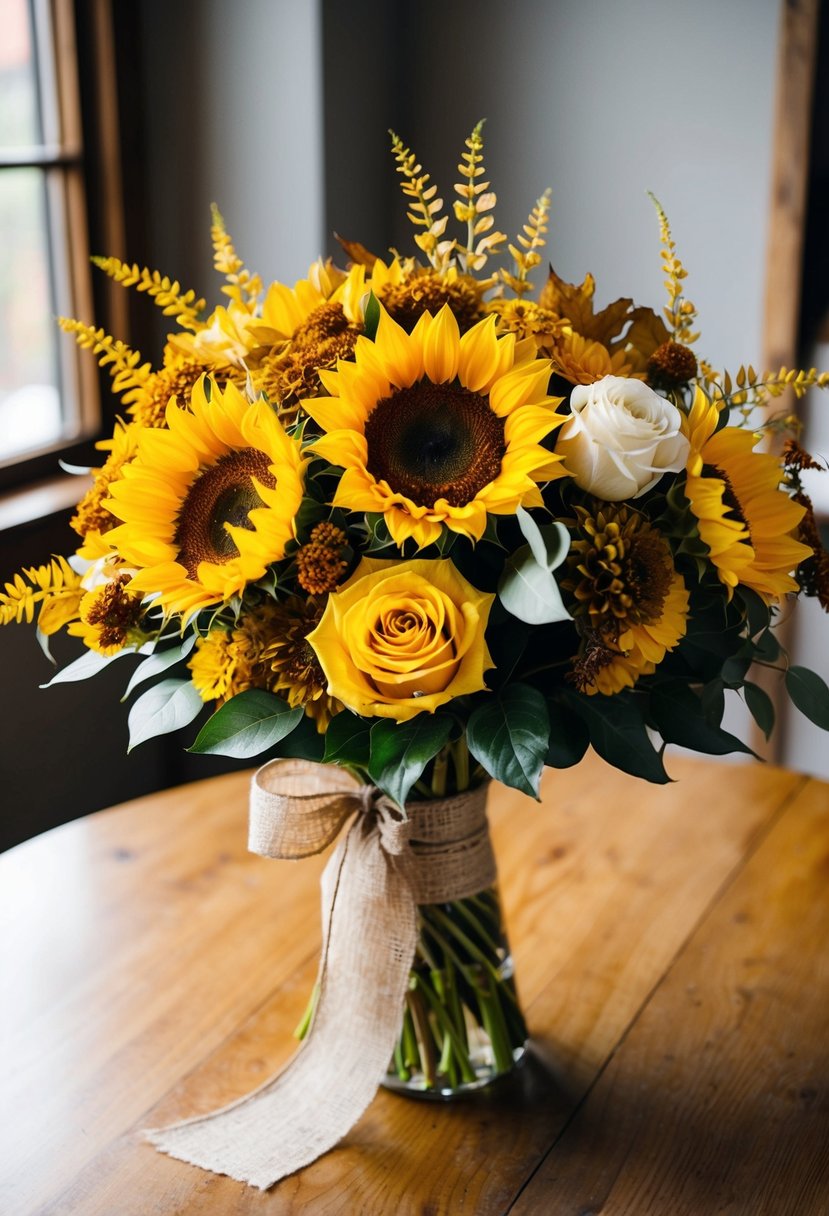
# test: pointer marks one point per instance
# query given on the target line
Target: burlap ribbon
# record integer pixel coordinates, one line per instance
(385, 864)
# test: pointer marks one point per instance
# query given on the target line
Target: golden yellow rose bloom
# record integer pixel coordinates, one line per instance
(402, 637)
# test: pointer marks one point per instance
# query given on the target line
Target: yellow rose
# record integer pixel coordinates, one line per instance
(402, 637)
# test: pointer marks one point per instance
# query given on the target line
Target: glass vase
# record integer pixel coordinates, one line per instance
(462, 1023)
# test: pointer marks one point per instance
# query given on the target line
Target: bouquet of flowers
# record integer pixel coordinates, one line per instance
(403, 519)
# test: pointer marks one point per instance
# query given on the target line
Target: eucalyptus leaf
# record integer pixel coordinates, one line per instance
(77, 470)
(528, 589)
(509, 735)
(158, 662)
(532, 534)
(163, 708)
(246, 725)
(400, 752)
(810, 694)
(43, 643)
(86, 665)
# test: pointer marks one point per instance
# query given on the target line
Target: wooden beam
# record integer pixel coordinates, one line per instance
(791, 135)
(797, 54)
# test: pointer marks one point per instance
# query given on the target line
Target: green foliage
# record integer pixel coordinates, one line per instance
(88, 664)
(760, 706)
(679, 716)
(247, 725)
(618, 733)
(372, 316)
(509, 734)
(165, 707)
(400, 752)
(569, 737)
(160, 660)
(810, 694)
(347, 740)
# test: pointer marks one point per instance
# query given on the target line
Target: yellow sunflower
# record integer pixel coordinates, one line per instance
(91, 517)
(208, 502)
(286, 310)
(743, 516)
(433, 428)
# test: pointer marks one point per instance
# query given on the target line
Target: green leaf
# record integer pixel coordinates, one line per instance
(88, 664)
(734, 670)
(372, 317)
(758, 613)
(506, 648)
(713, 702)
(347, 740)
(247, 725)
(767, 647)
(163, 708)
(761, 707)
(158, 662)
(528, 589)
(399, 753)
(680, 718)
(618, 734)
(303, 743)
(569, 737)
(810, 694)
(508, 734)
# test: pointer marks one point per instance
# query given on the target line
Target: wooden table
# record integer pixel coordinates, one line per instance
(671, 953)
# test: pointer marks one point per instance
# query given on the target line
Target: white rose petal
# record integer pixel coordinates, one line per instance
(621, 438)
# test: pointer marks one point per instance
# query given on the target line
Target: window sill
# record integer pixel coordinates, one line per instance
(42, 499)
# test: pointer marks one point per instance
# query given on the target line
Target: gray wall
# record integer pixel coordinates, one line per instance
(233, 114)
(277, 109)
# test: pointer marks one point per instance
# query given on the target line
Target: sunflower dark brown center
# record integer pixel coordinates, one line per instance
(729, 495)
(435, 441)
(223, 494)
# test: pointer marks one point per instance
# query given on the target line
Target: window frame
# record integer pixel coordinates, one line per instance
(82, 179)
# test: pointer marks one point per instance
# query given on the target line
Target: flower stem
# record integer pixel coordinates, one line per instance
(425, 1042)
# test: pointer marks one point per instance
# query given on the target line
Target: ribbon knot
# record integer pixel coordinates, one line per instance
(387, 863)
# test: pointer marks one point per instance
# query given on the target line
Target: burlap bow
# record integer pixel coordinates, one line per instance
(383, 867)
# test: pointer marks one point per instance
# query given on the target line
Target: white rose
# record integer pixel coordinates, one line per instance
(621, 438)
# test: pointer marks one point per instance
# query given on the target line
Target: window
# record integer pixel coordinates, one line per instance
(48, 400)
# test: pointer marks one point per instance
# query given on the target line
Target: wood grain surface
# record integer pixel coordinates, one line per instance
(671, 955)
